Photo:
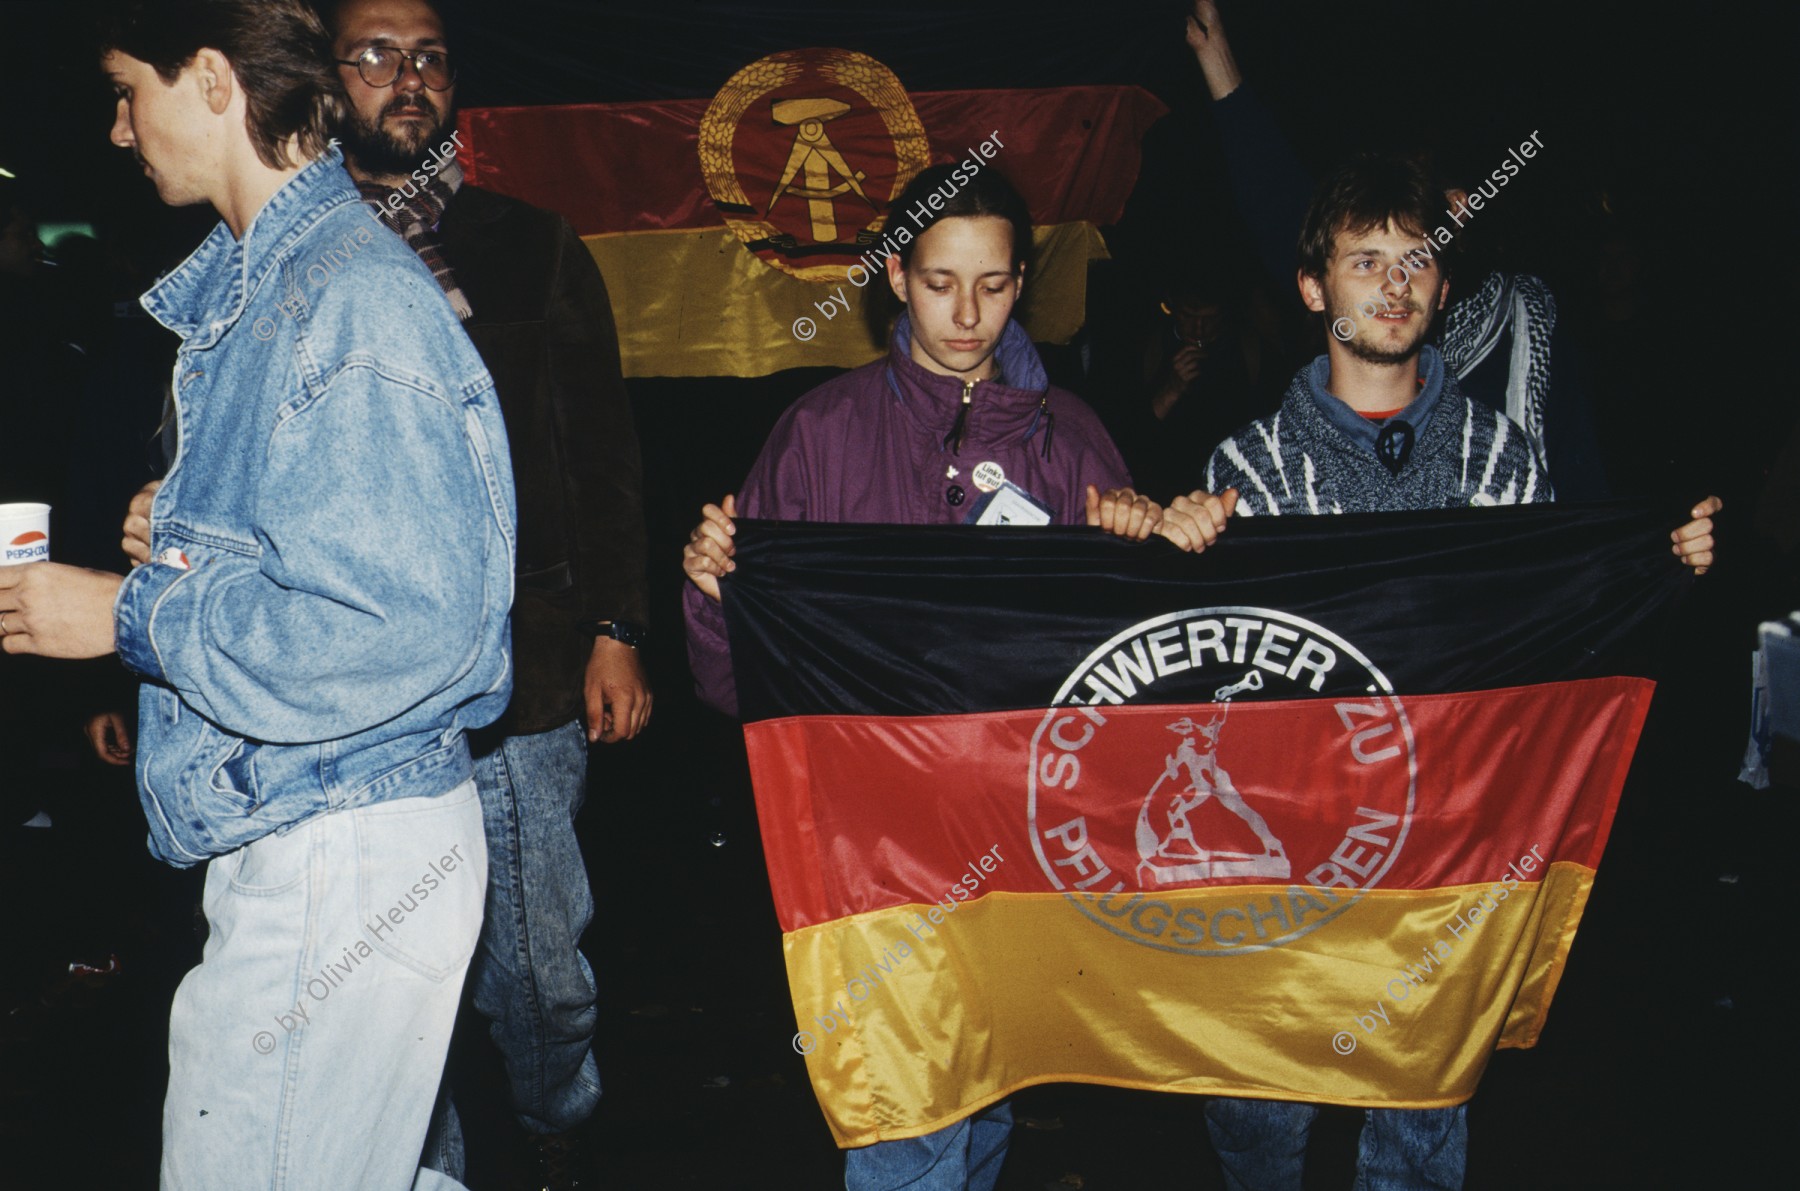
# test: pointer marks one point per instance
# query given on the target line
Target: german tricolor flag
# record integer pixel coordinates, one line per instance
(1312, 815)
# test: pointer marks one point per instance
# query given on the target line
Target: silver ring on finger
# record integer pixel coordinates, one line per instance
(2, 624)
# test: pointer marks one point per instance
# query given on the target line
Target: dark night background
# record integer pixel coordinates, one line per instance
(1660, 214)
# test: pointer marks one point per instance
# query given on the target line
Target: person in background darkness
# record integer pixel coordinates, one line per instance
(1206, 373)
(40, 369)
(40, 365)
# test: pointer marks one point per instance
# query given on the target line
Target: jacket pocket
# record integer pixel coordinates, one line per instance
(234, 777)
(547, 580)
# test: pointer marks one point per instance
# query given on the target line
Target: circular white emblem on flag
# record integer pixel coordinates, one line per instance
(1162, 769)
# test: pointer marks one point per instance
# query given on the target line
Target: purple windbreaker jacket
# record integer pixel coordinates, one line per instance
(868, 447)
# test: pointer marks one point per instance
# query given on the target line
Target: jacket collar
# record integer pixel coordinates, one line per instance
(474, 206)
(206, 293)
(1012, 408)
(1360, 430)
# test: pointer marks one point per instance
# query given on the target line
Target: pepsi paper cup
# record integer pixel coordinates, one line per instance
(24, 534)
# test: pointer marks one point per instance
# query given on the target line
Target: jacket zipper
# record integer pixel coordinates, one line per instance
(953, 440)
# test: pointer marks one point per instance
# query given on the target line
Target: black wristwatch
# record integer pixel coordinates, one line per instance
(624, 631)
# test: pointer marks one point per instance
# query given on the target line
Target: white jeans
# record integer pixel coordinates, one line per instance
(305, 1050)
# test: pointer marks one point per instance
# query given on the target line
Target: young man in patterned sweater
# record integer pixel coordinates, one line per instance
(1375, 424)
(1378, 421)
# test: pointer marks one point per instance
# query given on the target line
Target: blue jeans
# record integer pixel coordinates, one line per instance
(967, 1155)
(305, 1049)
(1262, 1145)
(529, 977)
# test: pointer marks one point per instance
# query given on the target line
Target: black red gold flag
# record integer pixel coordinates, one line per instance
(1312, 815)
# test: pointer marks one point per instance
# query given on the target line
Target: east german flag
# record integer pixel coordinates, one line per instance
(690, 299)
(1312, 815)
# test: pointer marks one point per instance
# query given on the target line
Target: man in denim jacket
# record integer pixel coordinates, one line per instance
(322, 616)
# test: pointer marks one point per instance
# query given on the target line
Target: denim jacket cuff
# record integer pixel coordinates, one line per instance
(133, 610)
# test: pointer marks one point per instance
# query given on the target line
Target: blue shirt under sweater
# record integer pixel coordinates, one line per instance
(1317, 455)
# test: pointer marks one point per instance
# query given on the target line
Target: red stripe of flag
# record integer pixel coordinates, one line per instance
(1073, 153)
(861, 813)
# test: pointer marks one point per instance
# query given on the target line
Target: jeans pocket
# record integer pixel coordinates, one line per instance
(271, 865)
(423, 880)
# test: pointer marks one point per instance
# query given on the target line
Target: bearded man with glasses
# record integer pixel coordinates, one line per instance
(533, 302)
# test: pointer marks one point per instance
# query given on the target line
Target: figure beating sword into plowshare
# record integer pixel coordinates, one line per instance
(1206, 779)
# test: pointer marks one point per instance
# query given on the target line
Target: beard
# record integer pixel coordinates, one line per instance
(1361, 347)
(377, 151)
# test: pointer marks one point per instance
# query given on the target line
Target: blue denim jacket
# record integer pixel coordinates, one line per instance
(326, 609)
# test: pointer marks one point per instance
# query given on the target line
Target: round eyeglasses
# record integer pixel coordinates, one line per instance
(380, 66)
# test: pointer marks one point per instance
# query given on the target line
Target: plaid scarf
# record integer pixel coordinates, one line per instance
(416, 219)
(1472, 329)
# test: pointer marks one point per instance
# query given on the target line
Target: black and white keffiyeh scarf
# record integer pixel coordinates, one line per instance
(416, 219)
(1473, 327)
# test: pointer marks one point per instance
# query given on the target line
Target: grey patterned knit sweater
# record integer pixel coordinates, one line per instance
(1317, 455)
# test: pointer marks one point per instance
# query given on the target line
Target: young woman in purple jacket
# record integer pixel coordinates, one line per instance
(960, 407)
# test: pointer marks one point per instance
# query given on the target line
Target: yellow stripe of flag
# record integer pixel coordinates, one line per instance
(694, 303)
(1049, 995)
